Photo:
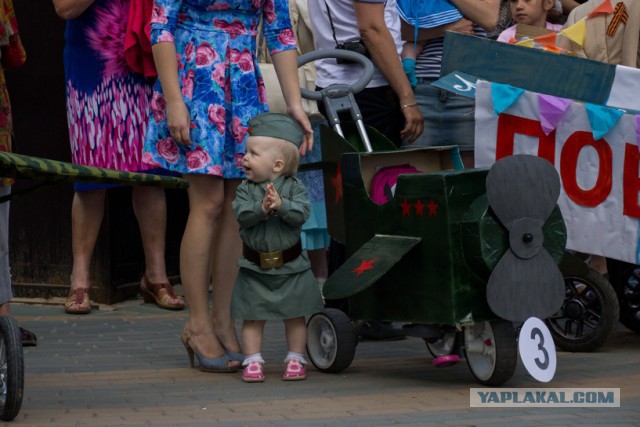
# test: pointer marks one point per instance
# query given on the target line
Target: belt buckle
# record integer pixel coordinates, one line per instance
(269, 260)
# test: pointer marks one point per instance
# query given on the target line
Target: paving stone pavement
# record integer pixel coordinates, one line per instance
(125, 366)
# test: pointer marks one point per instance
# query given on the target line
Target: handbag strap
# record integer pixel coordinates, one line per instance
(333, 29)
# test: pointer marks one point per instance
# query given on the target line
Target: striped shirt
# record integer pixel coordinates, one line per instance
(429, 60)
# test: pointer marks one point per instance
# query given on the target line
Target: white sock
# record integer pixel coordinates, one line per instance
(295, 356)
(257, 357)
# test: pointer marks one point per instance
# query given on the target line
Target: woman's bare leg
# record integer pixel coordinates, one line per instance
(227, 248)
(87, 212)
(205, 203)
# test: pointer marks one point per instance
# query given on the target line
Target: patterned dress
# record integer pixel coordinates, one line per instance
(221, 84)
(107, 103)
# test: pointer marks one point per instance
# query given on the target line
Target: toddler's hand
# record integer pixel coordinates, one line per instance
(275, 202)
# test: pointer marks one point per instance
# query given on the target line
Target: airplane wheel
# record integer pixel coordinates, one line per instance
(491, 351)
(11, 369)
(443, 346)
(331, 341)
(588, 315)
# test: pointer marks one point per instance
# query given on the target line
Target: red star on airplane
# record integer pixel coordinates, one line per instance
(433, 208)
(337, 184)
(419, 207)
(406, 208)
(364, 266)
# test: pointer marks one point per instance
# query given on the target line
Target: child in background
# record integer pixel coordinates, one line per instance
(275, 280)
(530, 12)
(422, 14)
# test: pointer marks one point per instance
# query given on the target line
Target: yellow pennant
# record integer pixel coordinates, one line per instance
(525, 43)
(576, 33)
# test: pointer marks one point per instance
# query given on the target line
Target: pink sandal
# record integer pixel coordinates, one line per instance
(295, 371)
(253, 373)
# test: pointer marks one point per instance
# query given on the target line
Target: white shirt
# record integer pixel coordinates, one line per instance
(346, 28)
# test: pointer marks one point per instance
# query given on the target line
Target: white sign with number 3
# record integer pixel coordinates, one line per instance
(537, 350)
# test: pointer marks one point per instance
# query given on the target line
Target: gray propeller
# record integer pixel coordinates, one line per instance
(523, 191)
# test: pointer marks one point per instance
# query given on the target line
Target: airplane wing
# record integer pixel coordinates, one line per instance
(367, 265)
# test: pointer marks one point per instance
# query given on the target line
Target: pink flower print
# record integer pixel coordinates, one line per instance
(189, 52)
(268, 9)
(245, 62)
(158, 107)
(234, 55)
(257, 4)
(216, 115)
(205, 55)
(237, 130)
(179, 61)
(219, 73)
(286, 37)
(237, 158)
(158, 14)
(227, 92)
(187, 84)
(168, 150)
(197, 159)
(165, 36)
(262, 91)
(105, 36)
(215, 170)
(233, 29)
(147, 158)
(219, 6)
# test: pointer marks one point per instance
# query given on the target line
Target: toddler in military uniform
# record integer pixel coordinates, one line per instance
(275, 280)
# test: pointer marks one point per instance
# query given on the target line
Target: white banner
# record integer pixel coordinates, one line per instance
(600, 179)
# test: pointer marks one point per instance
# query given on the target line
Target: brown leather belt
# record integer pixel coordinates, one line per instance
(269, 260)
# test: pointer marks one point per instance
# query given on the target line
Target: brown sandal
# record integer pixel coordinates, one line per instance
(160, 294)
(80, 298)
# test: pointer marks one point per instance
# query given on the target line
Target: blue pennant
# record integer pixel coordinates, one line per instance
(504, 96)
(602, 119)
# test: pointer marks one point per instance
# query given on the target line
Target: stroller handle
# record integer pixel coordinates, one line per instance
(360, 84)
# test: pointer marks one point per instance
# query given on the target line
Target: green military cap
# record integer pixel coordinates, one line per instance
(276, 125)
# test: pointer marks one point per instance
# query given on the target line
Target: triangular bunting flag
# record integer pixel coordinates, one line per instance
(504, 96)
(548, 40)
(551, 110)
(602, 119)
(605, 8)
(525, 43)
(638, 131)
(576, 33)
(554, 49)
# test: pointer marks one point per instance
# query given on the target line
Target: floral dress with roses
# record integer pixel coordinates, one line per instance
(107, 103)
(221, 84)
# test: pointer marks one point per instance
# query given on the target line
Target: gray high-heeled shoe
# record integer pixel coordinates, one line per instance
(206, 364)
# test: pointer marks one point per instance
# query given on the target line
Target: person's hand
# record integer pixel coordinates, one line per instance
(273, 198)
(463, 26)
(179, 122)
(414, 123)
(265, 204)
(301, 117)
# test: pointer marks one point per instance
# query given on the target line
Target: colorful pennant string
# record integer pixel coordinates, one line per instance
(504, 96)
(605, 8)
(551, 109)
(602, 119)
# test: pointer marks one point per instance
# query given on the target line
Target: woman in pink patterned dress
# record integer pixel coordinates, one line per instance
(209, 87)
(107, 109)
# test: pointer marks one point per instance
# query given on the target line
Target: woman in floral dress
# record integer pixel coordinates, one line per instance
(209, 87)
(107, 112)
